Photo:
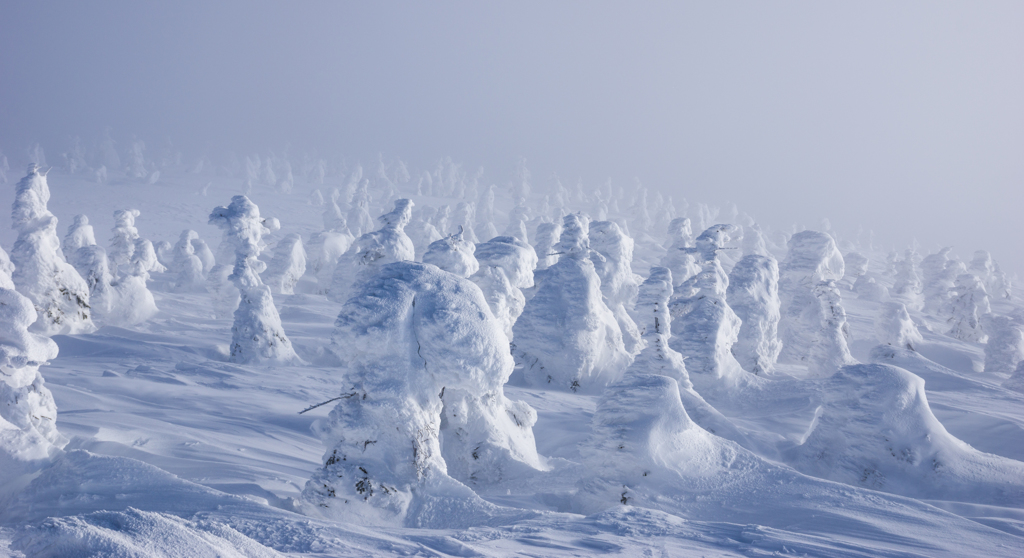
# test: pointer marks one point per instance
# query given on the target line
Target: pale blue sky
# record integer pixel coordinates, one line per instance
(905, 117)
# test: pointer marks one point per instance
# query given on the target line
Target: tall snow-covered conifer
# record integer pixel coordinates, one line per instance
(257, 334)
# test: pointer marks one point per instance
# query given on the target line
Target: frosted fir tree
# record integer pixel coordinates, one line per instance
(453, 254)
(145, 257)
(811, 307)
(122, 242)
(546, 238)
(58, 293)
(907, 284)
(486, 215)
(938, 274)
(287, 266)
(970, 303)
(80, 234)
(360, 221)
(1005, 347)
(28, 414)
(424, 366)
(681, 258)
(465, 217)
(388, 245)
(996, 282)
(92, 264)
(705, 330)
(612, 255)
(893, 326)
(658, 357)
(334, 219)
(257, 334)
(567, 338)
(187, 267)
(830, 350)
(506, 267)
(753, 294)
(856, 265)
(519, 187)
(422, 232)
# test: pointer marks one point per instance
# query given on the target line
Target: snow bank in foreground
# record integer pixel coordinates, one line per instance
(876, 430)
(425, 362)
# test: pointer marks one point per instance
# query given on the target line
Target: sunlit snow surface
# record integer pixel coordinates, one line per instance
(175, 451)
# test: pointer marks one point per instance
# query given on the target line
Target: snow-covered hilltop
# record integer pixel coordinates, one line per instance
(382, 360)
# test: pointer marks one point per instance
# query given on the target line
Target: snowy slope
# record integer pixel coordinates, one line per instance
(176, 451)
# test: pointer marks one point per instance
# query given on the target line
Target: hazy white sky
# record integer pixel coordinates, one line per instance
(904, 117)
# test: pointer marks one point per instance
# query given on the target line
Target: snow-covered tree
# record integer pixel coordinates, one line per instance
(681, 257)
(1005, 347)
(811, 310)
(856, 267)
(907, 285)
(465, 217)
(506, 267)
(567, 337)
(187, 267)
(122, 242)
(893, 326)
(970, 303)
(422, 232)
(424, 365)
(359, 220)
(324, 250)
(28, 414)
(80, 233)
(287, 266)
(257, 334)
(58, 292)
(546, 238)
(753, 294)
(937, 278)
(705, 329)
(372, 250)
(612, 256)
(145, 257)
(453, 254)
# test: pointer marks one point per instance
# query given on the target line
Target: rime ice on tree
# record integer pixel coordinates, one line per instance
(288, 264)
(813, 325)
(893, 326)
(257, 334)
(453, 254)
(753, 293)
(567, 338)
(28, 414)
(80, 234)
(971, 302)
(186, 265)
(1005, 347)
(612, 254)
(422, 356)
(58, 292)
(372, 250)
(506, 267)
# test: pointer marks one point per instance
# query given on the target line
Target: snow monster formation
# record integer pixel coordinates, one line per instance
(257, 334)
(612, 254)
(567, 337)
(753, 293)
(813, 327)
(288, 264)
(28, 415)
(372, 250)
(58, 293)
(453, 254)
(506, 267)
(425, 362)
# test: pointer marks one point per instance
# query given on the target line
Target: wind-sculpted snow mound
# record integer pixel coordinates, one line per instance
(425, 362)
(644, 451)
(876, 430)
